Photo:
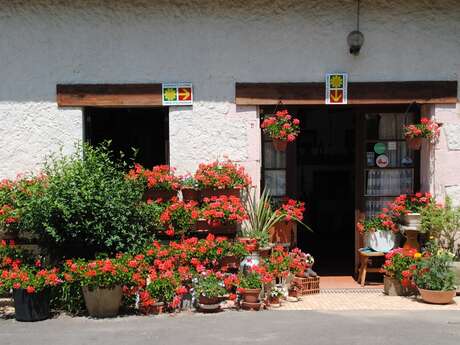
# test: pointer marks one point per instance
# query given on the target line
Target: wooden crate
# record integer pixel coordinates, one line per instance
(307, 286)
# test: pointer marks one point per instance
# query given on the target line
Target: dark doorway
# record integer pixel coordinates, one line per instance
(325, 160)
(142, 129)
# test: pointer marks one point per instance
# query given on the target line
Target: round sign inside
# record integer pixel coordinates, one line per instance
(382, 161)
(380, 148)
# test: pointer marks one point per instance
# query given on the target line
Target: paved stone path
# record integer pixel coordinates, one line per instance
(363, 300)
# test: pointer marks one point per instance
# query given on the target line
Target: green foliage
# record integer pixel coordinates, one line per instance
(209, 286)
(443, 223)
(68, 297)
(88, 206)
(162, 289)
(434, 272)
(250, 280)
(261, 217)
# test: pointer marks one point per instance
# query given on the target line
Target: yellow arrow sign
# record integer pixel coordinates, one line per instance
(336, 97)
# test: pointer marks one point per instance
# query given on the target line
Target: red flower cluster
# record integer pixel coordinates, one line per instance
(281, 126)
(300, 261)
(178, 216)
(292, 210)
(223, 209)
(427, 129)
(400, 264)
(159, 177)
(408, 203)
(32, 279)
(222, 175)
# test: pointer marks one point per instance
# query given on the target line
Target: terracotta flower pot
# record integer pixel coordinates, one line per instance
(282, 233)
(163, 194)
(274, 300)
(209, 192)
(191, 194)
(230, 261)
(209, 304)
(217, 228)
(251, 295)
(264, 252)
(437, 297)
(155, 309)
(251, 306)
(102, 302)
(280, 145)
(414, 143)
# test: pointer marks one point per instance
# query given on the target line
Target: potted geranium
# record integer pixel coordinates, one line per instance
(427, 129)
(31, 294)
(209, 290)
(434, 277)
(101, 281)
(250, 286)
(221, 214)
(159, 294)
(291, 212)
(221, 178)
(379, 232)
(190, 189)
(442, 222)
(408, 207)
(276, 293)
(397, 280)
(232, 253)
(159, 182)
(282, 128)
(179, 217)
(14, 197)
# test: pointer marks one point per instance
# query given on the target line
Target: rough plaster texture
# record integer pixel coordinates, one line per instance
(445, 156)
(212, 43)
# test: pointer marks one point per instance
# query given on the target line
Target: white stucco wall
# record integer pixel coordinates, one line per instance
(212, 43)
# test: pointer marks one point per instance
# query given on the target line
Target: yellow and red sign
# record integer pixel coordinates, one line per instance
(336, 88)
(177, 93)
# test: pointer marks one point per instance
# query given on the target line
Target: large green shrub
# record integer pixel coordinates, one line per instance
(88, 206)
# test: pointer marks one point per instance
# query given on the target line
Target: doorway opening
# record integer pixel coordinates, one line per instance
(144, 130)
(325, 169)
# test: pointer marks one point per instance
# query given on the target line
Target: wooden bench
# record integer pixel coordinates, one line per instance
(364, 257)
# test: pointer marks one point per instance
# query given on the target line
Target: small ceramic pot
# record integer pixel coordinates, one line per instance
(437, 297)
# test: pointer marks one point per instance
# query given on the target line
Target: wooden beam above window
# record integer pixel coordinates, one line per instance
(423, 92)
(108, 95)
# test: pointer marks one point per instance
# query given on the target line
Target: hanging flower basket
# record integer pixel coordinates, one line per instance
(414, 143)
(282, 128)
(426, 129)
(280, 145)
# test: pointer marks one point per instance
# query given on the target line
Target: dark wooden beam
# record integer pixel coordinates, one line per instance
(423, 92)
(108, 95)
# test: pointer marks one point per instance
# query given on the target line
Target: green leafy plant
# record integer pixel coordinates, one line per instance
(14, 197)
(209, 285)
(261, 217)
(434, 271)
(162, 289)
(250, 280)
(89, 206)
(443, 223)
